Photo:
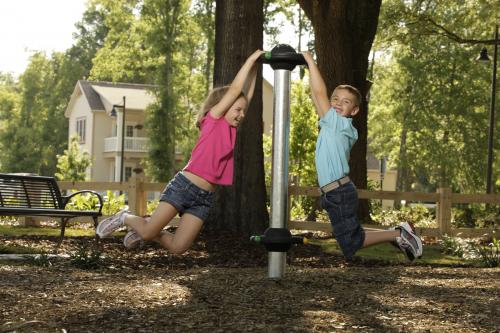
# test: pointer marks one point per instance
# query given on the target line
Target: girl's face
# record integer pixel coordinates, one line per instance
(234, 116)
(344, 102)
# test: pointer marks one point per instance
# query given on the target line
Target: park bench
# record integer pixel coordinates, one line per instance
(22, 195)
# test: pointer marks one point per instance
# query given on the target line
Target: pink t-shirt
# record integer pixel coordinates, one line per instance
(212, 157)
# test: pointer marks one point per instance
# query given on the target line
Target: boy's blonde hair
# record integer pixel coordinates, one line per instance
(214, 97)
(352, 90)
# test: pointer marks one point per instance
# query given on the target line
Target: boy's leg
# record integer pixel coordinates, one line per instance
(189, 228)
(341, 205)
(377, 237)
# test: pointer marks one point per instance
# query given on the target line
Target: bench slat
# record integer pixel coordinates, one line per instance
(8, 211)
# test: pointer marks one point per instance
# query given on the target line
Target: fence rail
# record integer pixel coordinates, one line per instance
(137, 189)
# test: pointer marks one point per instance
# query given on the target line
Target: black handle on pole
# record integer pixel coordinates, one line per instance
(283, 56)
(278, 239)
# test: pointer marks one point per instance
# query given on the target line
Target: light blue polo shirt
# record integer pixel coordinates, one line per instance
(335, 140)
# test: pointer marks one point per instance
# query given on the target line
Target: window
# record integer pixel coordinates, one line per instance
(128, 173)
(129, 131)
(80, 129)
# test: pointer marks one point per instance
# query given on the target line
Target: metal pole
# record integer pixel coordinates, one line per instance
(123, 143)
(279, 191)
(492, 116)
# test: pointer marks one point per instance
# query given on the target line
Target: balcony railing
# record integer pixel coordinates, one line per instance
(131, 144)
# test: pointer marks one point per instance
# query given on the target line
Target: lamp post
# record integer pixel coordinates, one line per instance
(483, 56)
(115, 114)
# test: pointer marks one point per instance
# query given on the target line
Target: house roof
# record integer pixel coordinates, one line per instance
(101, 96)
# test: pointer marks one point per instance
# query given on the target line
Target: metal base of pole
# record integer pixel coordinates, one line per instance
(277, 265)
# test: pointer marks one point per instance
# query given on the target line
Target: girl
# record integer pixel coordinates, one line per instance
(191, 192)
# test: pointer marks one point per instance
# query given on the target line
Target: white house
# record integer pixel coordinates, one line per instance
(91, 117)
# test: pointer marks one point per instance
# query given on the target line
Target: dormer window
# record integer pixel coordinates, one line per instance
(80, 129)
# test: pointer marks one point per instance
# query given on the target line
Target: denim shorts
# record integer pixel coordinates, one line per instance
(186, 197)
(342, 206)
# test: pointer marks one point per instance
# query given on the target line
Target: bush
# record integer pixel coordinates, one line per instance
(419, 215)
(487, 255)
(111, 205)
(42, 260)
(454, 246)
(87, 257)
(475, 215)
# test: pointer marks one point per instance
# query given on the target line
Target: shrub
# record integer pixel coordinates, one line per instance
(488, 255)
(42, 260)
(419, 215)
(454, 246)
(87, 257)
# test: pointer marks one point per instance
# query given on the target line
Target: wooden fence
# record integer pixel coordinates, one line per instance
(137, 190)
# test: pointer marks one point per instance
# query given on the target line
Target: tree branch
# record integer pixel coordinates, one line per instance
(442, 30)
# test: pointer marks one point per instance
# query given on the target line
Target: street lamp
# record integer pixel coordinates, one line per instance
(483, 56)
(115, 114)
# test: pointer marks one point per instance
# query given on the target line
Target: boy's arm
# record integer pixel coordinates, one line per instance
(318, 86)
(244, 78)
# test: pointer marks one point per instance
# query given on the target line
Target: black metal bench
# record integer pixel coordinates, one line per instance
(40, 196)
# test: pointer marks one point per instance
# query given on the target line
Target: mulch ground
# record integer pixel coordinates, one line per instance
(221, 285)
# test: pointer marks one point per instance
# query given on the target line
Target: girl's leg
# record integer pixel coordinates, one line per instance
(376, 237)
(162, 215)
(177, 243)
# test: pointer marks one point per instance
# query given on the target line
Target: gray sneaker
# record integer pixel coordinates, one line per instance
(132, 240)
(112, 223)
(409, 242)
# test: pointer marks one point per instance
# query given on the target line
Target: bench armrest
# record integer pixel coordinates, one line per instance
(66, 199)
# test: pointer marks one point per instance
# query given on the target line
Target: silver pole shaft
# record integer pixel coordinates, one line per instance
(279, 189)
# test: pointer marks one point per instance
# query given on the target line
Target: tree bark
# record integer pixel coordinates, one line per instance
(241, 208)
(344, 32)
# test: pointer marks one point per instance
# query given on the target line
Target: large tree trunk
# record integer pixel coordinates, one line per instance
(344, 32)
(241, 208)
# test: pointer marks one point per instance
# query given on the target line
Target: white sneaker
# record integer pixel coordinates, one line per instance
(409, 242)
(132, 240)
(112, 223)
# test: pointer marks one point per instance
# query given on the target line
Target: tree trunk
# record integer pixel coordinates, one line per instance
(344, 32)
(241, 208)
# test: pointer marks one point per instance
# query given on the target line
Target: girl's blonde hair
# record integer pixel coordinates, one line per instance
(214, 97)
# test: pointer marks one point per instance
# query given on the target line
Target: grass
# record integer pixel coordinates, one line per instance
(432, 253)
(16, 231)
(8, 230)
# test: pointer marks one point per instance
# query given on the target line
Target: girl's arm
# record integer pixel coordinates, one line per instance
(318, 86)
(249, 87)
(244, 79)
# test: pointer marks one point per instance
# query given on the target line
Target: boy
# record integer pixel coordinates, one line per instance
(338, 194)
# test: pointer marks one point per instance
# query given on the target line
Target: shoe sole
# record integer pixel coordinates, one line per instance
(412, 230)
(133, 245)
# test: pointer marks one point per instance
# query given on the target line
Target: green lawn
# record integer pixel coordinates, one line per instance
(43, 231)
(432, 253)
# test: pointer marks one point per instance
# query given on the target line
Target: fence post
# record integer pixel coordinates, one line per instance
(136, 197)
(444, 210)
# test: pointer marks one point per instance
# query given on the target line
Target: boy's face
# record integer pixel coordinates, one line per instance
(344, 102)
(234, 116)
